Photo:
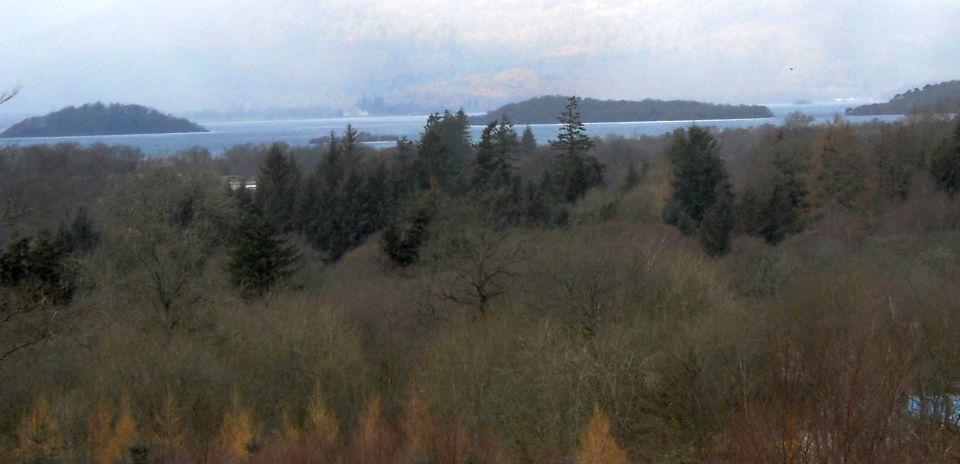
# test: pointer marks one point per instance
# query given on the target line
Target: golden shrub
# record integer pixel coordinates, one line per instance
(39, 432)
(597, 445)
(237, 432)
(320, 424)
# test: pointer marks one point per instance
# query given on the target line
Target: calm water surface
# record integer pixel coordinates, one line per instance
(223, 135)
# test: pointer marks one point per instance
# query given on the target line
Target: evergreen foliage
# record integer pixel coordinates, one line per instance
(528, 142)
(543, 110)
(259, 257)
(403, 236)
(278, 188)
(838, 169)
(701, 200)
(575, 171)
(444, 152)
(42, 265)
(774, 198)
(945, 163)
(100, 119)
(344, 201)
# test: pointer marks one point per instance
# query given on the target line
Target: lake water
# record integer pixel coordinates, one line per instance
(223, 135)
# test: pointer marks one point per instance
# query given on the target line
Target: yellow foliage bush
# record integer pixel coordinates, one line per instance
(417, 426)
(167, 428)
(320, 424)
(597, 445)
(125, 429)
(102, 445)
(39, 432)
(237, 432)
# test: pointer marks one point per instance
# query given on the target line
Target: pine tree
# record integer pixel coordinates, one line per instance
(773, 202)
(702, 198)
(528, 142)
(484, 164)
(79, 235)
(259, 258)
(838, 169)
(718, 221)
(945, 163)
(575, 170)
(278, 188)
(403, 236)
(631, 179)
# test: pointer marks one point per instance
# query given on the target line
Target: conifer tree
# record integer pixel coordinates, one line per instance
(945, 163)
(278, 188)
(701, 201)
(404, 235)
(575, 170)
(259, 258)
(631, 179)
(484, 164)
(838, 169)
(528, 142)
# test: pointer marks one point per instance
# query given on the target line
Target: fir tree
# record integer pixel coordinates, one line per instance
(576, 171)
(701, 202)
(528, 142)
(259, 258)
(838, 169)
(278, 188)
(402, 237)
(945, 163)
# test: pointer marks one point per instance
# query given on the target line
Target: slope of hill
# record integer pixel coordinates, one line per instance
(944, 96)
(544, 110)
(100, 119)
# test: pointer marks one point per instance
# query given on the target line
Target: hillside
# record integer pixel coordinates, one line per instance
(100, 119)
(944, 96)
(544, 110)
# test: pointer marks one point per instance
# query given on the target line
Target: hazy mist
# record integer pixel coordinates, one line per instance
(182, 55)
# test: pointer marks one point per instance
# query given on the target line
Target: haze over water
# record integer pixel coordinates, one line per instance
(224, 135)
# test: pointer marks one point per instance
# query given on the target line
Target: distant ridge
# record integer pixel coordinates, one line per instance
(100, 119)
(546, 109)
(944, 96)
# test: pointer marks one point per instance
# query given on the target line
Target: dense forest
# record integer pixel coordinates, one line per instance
(544, 110)
(943, 97)
(776, 294)
(100, 119)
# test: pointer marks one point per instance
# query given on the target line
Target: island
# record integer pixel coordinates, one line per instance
(943, 97)
(100, 119)
(361, 137)
(544, 110)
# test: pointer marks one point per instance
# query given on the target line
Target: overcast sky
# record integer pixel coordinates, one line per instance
(180, 55)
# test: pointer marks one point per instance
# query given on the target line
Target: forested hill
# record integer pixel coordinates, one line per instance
(101, 119)
(944, 96)
(544, 110)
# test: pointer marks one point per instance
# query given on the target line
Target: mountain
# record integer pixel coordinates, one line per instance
(546, 109)
(944, 96)
(100, 119)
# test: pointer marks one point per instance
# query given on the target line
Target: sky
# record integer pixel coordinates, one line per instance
(187, 55)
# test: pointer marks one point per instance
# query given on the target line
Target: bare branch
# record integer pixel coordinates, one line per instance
(7, 95)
